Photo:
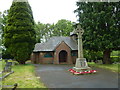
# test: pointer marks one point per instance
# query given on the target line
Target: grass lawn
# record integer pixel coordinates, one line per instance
(112, 67)
(0, 66)
(24, 76)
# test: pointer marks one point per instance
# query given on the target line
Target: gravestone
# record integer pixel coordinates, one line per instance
(7, 67)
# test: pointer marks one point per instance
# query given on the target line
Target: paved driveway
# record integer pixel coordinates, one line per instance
(57, 76)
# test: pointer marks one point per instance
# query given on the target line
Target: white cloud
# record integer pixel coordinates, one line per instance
(48, 11)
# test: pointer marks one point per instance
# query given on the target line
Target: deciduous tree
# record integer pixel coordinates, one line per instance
(45, 31)
(63, 28)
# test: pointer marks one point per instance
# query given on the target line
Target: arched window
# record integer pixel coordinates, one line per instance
(48, 55)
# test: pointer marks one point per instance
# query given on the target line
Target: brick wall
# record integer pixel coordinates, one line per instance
(39, 57)
(60, 47)
(46, 60)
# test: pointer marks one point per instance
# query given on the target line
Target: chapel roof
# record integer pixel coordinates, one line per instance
(53, 42)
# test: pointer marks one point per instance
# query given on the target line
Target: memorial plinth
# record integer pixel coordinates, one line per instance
(81, 65)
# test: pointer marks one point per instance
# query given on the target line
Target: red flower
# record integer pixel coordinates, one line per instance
(85, 72)
(69, 69)
(72, 71)
(75, 72)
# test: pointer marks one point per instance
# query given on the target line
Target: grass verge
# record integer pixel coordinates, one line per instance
(2, 63)
(24, 76)
(112, 67)
(0, 66)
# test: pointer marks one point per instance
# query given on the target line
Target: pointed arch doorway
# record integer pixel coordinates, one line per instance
(63, 56)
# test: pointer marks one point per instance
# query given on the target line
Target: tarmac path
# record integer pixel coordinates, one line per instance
(57, 76)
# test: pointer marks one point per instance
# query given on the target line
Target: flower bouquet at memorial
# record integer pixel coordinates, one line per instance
(82, 72)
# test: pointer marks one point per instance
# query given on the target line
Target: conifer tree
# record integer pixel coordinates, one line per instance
(100, 21)
(19, 33)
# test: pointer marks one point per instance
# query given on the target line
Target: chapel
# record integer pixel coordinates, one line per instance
(57, 50)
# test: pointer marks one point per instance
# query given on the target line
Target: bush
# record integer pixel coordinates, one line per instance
(92, 55)
(115, 59)
(6, 55)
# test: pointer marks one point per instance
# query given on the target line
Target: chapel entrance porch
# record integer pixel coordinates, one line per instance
(63, 56)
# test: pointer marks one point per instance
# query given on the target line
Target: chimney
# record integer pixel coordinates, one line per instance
(73, 36)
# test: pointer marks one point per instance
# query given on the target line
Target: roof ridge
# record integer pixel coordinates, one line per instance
(53, 42)
(60, 43)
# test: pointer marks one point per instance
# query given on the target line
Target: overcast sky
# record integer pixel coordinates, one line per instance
(48, 11)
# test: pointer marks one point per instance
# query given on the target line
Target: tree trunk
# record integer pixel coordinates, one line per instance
(106, 57)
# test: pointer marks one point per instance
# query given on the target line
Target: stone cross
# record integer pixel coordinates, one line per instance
(81, 63)
(80, 32)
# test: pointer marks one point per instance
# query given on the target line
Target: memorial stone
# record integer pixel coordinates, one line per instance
(81, 63)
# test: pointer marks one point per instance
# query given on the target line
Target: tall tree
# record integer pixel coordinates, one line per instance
(45, 31)
(40, 31)
(0, 27)
(3, 19)
(19, 33)
(0, 32)
(63, 28)
(100, 21)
